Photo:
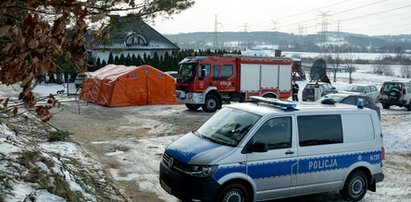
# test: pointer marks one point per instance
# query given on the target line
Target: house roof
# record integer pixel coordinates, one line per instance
(134, 34)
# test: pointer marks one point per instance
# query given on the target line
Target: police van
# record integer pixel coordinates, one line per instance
(271, 149)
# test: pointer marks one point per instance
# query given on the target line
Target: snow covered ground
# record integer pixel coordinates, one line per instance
(139, 163)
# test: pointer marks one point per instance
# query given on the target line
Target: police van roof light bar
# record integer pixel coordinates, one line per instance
(273, 101)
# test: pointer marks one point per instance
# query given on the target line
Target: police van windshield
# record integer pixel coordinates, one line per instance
(228, 126)
(186, 72)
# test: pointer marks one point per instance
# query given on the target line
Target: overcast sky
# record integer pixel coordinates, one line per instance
(371, 17)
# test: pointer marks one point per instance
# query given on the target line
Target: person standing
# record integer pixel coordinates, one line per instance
(318, 91)
(295, 89)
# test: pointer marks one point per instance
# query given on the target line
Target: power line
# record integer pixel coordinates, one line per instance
(357, 17)
(359, 7)
(304, 12)
(344, 11)
(376, 13)
(314, 19)
(316, 9)
(377, 26)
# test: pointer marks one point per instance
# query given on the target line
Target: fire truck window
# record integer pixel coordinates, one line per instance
(216, 72)
(227, 71)
(207, 70)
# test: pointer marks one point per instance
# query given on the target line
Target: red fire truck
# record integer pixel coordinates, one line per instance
(209, 81)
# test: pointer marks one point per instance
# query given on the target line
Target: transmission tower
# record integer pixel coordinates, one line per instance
(216, 23)
(245, 26)
(324, 28)
(300, 30)
(274, 26)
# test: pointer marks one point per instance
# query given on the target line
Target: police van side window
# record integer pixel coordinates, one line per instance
(319, 130)
(275, 132)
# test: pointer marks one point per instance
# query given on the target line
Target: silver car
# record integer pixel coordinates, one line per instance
(366, 90)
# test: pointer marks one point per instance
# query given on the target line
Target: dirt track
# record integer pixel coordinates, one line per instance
(129, 141)
(91, 123)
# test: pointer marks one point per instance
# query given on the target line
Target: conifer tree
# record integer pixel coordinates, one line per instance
(122, 59)
(116, 60)
(110, 58)
(134, 60)
(128, 60)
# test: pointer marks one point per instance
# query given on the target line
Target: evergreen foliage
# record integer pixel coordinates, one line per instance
(166, 62)
(110, 58)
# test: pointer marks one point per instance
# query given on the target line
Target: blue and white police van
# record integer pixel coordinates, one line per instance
(272, 149)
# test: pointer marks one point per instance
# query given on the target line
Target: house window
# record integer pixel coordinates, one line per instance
(134, 39)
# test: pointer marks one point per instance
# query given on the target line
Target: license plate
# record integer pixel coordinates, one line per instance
(165, 186)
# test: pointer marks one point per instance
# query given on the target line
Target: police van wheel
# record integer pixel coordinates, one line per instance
(355, 186)
(211, 103)
(234, 192)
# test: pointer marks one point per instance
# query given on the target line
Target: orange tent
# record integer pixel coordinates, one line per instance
(118, 85)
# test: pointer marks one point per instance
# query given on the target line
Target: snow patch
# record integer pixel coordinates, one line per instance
(114, 153)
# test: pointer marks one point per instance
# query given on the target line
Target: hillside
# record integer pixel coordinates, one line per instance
(292, 42)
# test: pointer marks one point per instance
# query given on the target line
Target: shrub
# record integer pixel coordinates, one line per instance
(59, 136)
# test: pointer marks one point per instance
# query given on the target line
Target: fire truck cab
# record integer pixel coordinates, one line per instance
(208, 81)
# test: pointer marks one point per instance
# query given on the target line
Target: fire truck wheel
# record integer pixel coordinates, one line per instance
(211, 103)
(192, 107)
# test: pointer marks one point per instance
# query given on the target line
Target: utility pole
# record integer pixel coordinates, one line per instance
(300, 30)
(245, 26)
(324, 28)
(337, 56)
(274, 32)
(274, 25)
(216, 23)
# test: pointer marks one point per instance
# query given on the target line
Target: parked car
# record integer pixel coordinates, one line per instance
(80, 78)
(367, 90)
(395, 93)
(353, 99)
(172, 73)
(308, 92)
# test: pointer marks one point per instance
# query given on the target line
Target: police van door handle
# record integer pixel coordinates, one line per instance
(289, 152)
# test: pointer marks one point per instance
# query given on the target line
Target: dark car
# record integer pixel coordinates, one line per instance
(396, 93)
(308, 92)
(352, 99)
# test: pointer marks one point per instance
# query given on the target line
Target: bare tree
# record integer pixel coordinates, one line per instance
(34, 32)
(336, 65)
(406, 71)
(378, 69)
(348, 61)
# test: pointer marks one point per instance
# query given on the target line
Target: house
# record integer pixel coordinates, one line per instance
(133, 37)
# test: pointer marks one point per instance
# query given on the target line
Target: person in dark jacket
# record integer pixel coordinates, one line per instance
(295, 89)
